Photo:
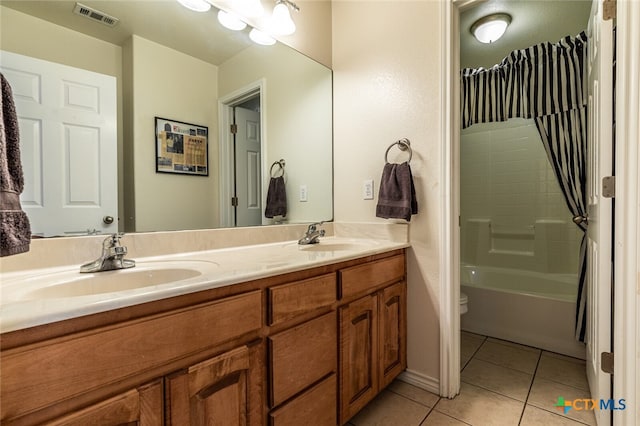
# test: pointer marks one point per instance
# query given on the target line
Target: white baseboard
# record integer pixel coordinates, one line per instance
(420, 380)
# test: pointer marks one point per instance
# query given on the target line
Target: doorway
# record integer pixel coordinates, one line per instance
(242, 147)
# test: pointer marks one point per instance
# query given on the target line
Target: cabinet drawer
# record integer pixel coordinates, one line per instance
(289, 300)
(317, 407)
(37, 376)
(360, 279)
(301, 356)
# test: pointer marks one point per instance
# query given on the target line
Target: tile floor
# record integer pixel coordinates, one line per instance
(503, 383)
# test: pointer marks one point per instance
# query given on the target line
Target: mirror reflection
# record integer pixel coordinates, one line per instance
(88, 95)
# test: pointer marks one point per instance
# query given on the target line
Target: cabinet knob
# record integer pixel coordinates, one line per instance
(108, 220)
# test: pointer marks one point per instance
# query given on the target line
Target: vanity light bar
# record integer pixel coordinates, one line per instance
(96, 15)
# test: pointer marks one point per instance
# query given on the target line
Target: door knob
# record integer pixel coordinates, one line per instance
(108, 220)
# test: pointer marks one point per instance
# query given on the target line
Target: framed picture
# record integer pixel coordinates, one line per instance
(181, 148)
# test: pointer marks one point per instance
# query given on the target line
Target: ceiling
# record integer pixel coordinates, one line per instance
(164, 21)
(532, 22)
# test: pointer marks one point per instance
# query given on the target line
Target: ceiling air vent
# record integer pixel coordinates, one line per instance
(96, 15)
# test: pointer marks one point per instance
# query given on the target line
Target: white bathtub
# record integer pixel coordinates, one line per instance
(526, 307)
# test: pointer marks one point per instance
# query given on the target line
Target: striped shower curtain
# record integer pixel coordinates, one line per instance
(545, 82)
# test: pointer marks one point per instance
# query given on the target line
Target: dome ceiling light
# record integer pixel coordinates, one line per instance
(490, 28)
(196, 5)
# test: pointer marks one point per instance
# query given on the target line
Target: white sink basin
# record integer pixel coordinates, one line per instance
(75, 284)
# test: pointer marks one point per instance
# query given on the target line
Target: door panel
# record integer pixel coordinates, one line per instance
(599, 233)
(67, 121)
(248, 169)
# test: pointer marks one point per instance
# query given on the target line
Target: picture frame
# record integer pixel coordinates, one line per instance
(181, 148)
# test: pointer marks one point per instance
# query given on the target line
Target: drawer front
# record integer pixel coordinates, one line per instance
(317, 407)
(301, 356)
(290, 300)
(359, 279)
(38, 376)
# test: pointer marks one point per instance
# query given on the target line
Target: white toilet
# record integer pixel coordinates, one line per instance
(463, 303)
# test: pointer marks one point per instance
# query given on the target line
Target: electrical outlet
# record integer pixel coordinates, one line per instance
(303, 193)
(367, 189)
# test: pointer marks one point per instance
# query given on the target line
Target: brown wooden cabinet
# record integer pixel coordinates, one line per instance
(218, 391)
(372, 333)
(308, 347)
(142, 406)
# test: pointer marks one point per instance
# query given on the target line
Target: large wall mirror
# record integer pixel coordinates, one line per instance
(167, 61)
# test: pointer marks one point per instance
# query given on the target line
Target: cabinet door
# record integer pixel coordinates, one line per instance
(358, 355)
(215, 392)
(392, 337)
(316, 406)
(142, 407)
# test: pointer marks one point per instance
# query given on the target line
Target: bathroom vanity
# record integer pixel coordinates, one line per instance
(311, 346)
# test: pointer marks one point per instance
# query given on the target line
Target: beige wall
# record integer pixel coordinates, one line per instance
(387, 73)
(172, 85)
(29, 36)
(297, 102)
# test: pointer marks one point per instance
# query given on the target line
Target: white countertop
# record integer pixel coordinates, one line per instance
(21, 306)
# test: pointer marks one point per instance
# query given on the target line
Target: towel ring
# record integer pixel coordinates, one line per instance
(403, 145)
(280, 169)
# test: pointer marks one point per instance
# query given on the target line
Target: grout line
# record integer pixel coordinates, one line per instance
(473, 354)
(533, 379)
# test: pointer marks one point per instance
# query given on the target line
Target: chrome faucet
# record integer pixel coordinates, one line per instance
(112, 256)
(312, 234)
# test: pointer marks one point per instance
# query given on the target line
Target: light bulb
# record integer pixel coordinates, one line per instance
(231, 21)
(490, 28)
(195, 5)
(281, 20)
(261, 38)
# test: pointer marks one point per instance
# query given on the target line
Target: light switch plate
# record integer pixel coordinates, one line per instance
(367, 189)
(303, 193)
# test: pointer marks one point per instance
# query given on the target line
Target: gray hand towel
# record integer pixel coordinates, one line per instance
(15, 230)
(397, 196)
(276, 198)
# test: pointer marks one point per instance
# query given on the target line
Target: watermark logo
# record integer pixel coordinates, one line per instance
(563, 405)
(586, 404)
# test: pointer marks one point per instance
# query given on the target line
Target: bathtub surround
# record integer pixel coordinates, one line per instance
(531, 308)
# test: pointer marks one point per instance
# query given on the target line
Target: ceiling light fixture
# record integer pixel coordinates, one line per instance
(250, 8)
(231, 21)
(261, 38)
(491, 27)
(281, 21)
(196, 5)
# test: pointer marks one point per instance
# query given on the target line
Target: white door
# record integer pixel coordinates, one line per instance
(68, 141)
(599, 234)
(247, 167)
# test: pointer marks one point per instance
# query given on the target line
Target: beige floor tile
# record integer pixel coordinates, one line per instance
(481, 407)
(544, 394)
(469, 343)
(537, 417)
(506, 381)
(464, 359)
(564, 357)
(389, 408)
(514, 345)
(414, 393)
(439, 419)
(508, 356)
(568, 371)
